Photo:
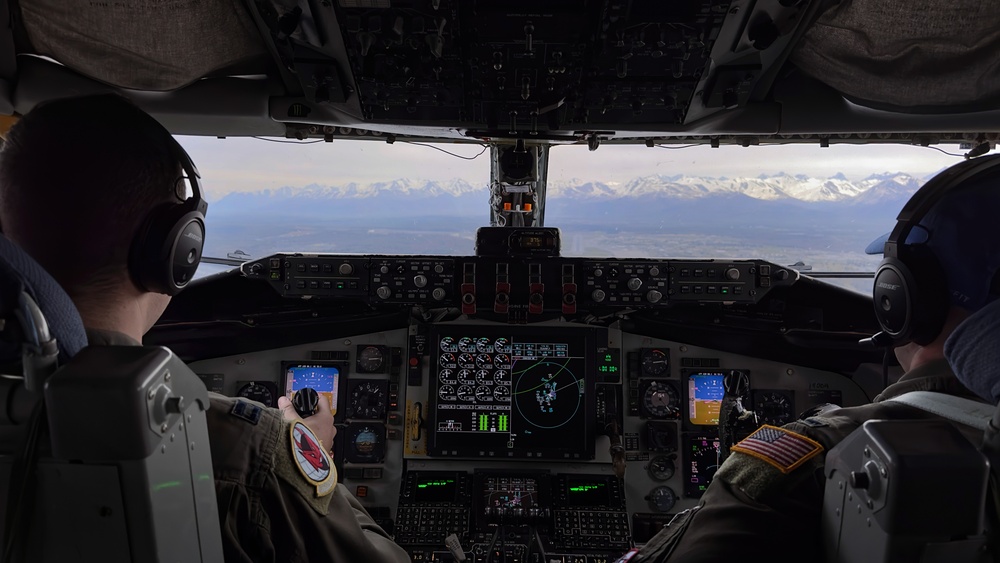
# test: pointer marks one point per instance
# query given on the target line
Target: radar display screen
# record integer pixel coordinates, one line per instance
(325, 377)
(436, 489)
(705, 392)
(513, 393)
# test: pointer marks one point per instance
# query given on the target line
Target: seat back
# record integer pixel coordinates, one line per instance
(104, 451)
(881, 480)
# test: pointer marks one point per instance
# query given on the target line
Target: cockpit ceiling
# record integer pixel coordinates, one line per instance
(697, 71)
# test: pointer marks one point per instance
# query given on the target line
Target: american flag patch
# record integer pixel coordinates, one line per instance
(782, 448)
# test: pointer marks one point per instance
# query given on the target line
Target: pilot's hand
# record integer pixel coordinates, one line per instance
(321, 423)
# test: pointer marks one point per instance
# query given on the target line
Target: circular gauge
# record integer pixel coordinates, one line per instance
(502, 377)
(465, 377)
(661, 400)
(371, 359)
(773, 408)
(484, 394)
(257, 392)
(466, 361)
(465, 393)
(484, 361)
(501, 394)
(466, 344)
(501, 361)
(662, 499)
(368, 399)
(447, 377)
(365, 443)
(446, 393)
(484, 377)
(484, 345)
(654, 362)
(447, 360)
(448, 344)
(501, 345)
(662, 468)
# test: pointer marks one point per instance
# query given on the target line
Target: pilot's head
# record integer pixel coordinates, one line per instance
(962, 234)
(77, 178)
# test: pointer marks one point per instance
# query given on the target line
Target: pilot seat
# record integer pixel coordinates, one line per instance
(918, 490)
(104, 451)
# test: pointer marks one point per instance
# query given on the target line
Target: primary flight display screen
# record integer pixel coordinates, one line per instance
(513, 393)
(705, 393)
(325, 377)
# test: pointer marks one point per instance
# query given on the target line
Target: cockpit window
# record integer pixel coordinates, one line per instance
(812, 208)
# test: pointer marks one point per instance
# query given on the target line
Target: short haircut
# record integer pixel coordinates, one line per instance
(77, 178)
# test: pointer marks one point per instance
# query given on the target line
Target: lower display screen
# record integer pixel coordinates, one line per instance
(510, 492)
(702, 453)
(435, 489)
(513, 393)
(582, 491)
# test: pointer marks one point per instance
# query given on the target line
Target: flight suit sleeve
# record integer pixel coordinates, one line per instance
(272, 508)
(753, 510)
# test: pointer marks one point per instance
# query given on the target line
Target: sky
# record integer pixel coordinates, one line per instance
(252, 164)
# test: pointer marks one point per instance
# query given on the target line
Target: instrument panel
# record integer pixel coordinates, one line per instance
(554, 438)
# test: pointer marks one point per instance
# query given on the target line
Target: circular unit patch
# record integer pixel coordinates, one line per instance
(310, 458)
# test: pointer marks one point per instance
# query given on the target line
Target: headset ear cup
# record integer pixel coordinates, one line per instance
(167, 248)
(911, 296)
(891, 294)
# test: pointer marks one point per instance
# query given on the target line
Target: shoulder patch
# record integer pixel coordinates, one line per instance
(308, 455)
(781, 448)
(302, 467)
(247, 411)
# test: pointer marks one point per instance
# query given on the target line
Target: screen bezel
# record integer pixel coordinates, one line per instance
(589, 337)
(343, 367)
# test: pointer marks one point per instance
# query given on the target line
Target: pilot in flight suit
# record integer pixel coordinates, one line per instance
(92, 168)
(765, 501)
(269, 510)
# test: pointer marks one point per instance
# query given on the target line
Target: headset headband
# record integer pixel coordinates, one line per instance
(930, 194)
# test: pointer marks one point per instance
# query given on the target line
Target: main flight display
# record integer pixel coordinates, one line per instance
(513, 393)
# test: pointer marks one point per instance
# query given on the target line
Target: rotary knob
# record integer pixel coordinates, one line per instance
(384, 270)
(420, 280)
(383, 292)
(653, 296)
(732, 274)
(438, 294)
(598, 295)
(654, 271)
(346, 269)
(438, 269)
(634, 284)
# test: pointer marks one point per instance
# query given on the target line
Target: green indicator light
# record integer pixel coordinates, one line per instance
(166, 485)
(585, 488)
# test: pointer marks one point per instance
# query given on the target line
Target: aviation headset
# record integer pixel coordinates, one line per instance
(167, 248)
(910, 291)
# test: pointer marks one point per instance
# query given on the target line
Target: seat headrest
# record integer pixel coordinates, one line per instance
(19, 272)
(973, 350)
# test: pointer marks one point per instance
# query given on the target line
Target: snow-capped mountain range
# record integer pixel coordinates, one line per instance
(887, 187)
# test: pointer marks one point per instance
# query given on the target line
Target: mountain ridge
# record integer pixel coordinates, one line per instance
(876, 188)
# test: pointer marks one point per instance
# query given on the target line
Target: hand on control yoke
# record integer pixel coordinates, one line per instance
(313, 409)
